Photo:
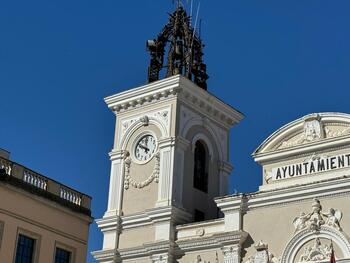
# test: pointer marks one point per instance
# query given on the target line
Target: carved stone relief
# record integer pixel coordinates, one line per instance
(336, 131)
(316, 252)
(129, 180)
(314, 129)
(162, 116)
(315, 219)
(262, 254)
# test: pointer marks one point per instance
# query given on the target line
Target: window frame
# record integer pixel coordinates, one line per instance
(65, 247)
(32, 235)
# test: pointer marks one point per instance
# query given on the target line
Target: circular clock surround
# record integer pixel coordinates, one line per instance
(144, 147)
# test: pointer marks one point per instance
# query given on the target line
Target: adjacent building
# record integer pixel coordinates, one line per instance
(41, 220)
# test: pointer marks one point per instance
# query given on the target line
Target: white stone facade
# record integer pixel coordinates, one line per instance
(300, 209)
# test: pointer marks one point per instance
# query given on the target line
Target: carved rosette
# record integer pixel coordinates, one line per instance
(129, 180)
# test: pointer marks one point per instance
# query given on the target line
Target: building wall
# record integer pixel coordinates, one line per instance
(194, 198)
(136, 237)
(274, 224)
(205, 255)
(136, 199)
(51, 223)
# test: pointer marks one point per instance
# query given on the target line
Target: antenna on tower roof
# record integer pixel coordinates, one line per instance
(191, 11)
(195, 23)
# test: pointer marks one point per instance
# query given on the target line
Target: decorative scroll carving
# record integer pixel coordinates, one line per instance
(262, 255)
(316, 252)
(130, 181)
(331, 133)
(317, 218)
(162, 116)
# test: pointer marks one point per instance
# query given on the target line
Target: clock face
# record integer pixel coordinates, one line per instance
(145, 148)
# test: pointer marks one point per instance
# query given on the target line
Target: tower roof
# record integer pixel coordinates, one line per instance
(177, 50)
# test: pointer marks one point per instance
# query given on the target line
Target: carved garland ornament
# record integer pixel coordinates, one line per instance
(130, 181)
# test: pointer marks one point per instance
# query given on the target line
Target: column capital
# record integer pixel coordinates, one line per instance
(232, 254)
(225, 167)
(167, 142)
(117, 154)
(163, 258)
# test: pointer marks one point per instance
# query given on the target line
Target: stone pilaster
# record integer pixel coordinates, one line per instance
(167, 149)
(116, 184)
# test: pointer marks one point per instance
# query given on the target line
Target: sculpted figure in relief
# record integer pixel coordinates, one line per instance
(316, 253)
(316, 218)
(312, 130)
(333, 218)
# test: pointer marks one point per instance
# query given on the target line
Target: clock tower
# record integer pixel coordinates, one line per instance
(170, 157)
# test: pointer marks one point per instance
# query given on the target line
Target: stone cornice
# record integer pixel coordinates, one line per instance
(284, 196)
(148, 217)
(200, 224)
(146, 250)
(213, 241)
(227, 203)
(176, 86)
(300, 150)
(208, 103)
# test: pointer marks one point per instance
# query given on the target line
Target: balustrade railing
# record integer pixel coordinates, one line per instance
(39, 181)
(34, 179)
(70, 196)
(6, 165)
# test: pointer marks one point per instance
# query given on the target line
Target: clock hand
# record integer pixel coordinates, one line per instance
(144, 147)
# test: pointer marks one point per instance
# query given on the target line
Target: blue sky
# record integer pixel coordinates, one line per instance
(273, 60)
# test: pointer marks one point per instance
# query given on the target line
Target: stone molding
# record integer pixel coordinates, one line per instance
(306, 235)
(173, 87)
(209, 242)
(285, 196)
(155, 215)
(160, 118)
(315, 135)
